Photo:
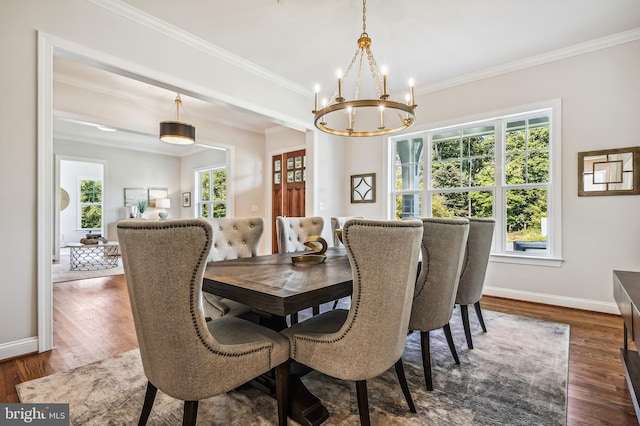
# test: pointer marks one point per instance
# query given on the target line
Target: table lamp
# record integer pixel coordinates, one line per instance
(163, 203)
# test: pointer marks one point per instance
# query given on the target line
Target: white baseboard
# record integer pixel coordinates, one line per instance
(18, 347)
(550, 299)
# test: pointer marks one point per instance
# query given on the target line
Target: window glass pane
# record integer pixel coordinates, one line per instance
(482, 171)
(462, 204)
(219, 210)
(538, 167)
(90, 191)
(515, 136)
(91, 217)
(408, 205)
(526, 219)
(515, 168)
(447, 149)
(539, 133)
(220, 185)
(204, 210)
(205, 187)
(446, 174)
(408, 163)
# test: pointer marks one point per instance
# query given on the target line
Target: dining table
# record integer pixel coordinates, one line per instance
(276, 286)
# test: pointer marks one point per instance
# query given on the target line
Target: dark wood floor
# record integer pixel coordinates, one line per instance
(92, 321)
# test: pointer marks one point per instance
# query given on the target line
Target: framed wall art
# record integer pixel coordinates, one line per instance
(132, 196)
(609, 172)
(156, 193)
(186, 199)
(363, 188)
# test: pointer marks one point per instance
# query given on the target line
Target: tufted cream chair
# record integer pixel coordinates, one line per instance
(337, 222)
(363, 342)
(291, 232)
(443, 243)
(183, 355)
(474, 270)
(233, 238)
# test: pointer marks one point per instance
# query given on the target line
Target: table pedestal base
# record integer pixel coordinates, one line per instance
(304, 407)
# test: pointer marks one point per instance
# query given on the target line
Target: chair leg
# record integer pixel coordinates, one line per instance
(479, 314)
(405, 387)
(149, 398)
(452, 346)
(190, 413)
(294, 318)
(464, 311)
(315, 310)
(335, 304)
(282, 392)
(426, 359)
(363, 402)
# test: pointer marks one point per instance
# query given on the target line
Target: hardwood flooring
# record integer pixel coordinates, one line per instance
(92, 321)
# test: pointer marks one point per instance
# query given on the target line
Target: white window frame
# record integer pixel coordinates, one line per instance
(553, 255)
(79, 203)
(198, 196)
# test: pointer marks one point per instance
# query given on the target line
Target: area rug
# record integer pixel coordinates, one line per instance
(60, 271)
(515, 375)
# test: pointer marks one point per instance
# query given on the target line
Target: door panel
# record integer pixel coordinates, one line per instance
(288, 194)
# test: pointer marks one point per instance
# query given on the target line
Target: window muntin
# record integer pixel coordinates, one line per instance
(500, 168)
(212, 192)
(90, 204)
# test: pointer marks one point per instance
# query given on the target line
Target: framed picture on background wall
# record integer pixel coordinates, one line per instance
(157, 193)
(186, 199)
(363, 188)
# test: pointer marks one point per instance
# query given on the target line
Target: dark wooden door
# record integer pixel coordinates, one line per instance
(288, 173)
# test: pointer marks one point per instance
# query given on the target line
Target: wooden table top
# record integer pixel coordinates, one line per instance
(273, 284)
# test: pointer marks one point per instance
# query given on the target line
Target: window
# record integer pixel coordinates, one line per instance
(212, 192)
(499, 167)
(90, 204)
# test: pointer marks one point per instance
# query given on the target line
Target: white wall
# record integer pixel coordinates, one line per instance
(600, 109)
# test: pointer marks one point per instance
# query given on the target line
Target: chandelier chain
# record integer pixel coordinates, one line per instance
(364, 16)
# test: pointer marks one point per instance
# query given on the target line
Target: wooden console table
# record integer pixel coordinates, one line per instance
(626, 292)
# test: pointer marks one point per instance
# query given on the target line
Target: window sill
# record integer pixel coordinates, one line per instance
(555, 262)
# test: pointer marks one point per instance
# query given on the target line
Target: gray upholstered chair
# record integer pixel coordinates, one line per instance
(474, 269)
(232, 238)
(337, 222)
(443, 244)
(363, 342)
(292, 231)
(183, 355)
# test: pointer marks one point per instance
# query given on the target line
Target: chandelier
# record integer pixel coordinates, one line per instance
(364, 117)
(175, 131)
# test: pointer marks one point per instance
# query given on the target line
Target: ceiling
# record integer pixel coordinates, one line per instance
(304, 42)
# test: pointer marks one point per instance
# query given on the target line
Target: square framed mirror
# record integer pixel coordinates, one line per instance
(609, 172)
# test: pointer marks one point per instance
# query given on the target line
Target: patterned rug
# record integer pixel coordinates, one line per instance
(515, 375)
(60, 271)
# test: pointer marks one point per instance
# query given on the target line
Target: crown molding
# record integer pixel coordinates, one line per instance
(149, 21)
(555, 55)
